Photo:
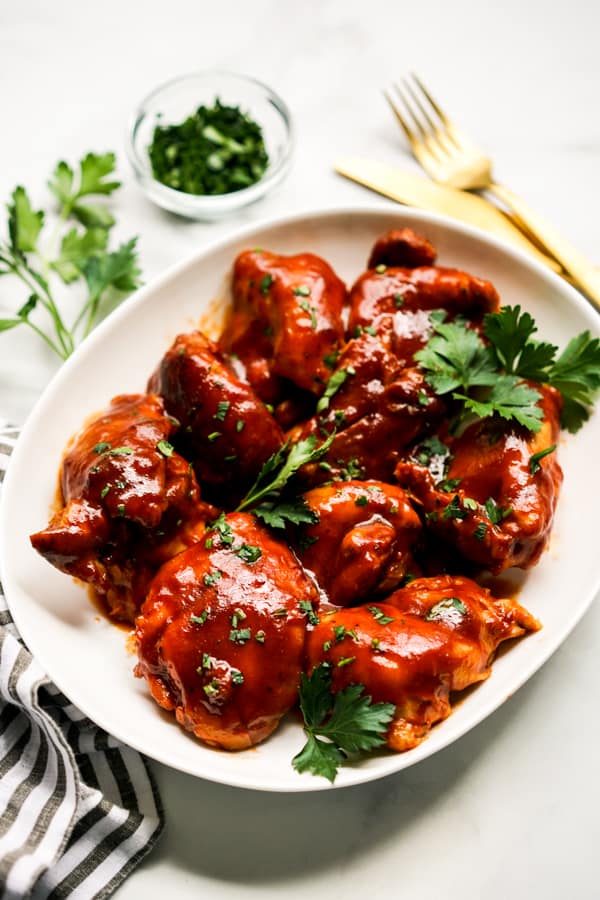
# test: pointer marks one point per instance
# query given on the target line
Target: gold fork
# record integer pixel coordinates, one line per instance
(452, 159)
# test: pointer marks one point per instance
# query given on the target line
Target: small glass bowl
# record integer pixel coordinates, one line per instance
(173, 101)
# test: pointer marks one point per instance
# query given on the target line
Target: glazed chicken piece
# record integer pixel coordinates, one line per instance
(484, 494)
(221, 636)
(431, 638)
(402, 248)
(377, 408)
(286, 321)
(129, 503)
(402, 304)
(362, 542)
(226, 431)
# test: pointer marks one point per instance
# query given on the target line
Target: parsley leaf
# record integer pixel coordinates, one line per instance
(454, 357)
(576, 374)
(534, 459)
(509, 398)
(349, 722)
(509, 332)
(265, 493)
(296, 511)
(24, 224)
(333, 385)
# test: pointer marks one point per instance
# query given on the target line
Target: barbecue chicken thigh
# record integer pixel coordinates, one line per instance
(225, 430)
(221, 636)
(129, 503)
(362, 543)
(482, 493)
(414, 648)
(285, 322)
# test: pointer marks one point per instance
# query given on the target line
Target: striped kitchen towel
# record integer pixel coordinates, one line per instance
(78, 809)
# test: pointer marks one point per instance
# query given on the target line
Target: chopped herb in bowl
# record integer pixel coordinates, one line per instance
(216, 150)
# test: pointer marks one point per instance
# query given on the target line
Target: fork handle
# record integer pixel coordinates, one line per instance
(583, 273)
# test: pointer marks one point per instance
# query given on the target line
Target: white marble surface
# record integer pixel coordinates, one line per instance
(511, 809)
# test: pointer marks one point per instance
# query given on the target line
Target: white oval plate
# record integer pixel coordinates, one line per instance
(87, 657)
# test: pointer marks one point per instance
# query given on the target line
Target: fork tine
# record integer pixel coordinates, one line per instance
(443, 117)
(427, 143)
(446, 133)
(410, 135)
(415, 97)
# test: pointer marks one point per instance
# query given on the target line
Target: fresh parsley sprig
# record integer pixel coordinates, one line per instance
(490, 379)
(338, 725)
(575, 372)
(265, 496)
(82, 253)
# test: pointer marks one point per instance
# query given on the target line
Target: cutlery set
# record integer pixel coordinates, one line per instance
(458, 169)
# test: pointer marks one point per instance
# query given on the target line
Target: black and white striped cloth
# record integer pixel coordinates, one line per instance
(78, 809)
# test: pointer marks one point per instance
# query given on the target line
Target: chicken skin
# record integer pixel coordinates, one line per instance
(482, 492)
(286, 321)
(402, 305)
(130, 502)
(225, 430)
(362, 542)
(402, 248)
(378, 409)
(221, 636)
(415, 648)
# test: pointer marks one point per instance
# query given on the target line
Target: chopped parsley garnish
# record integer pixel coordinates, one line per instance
(480, 532)
(212, 437)
(265, 283)
(398, 301)
(240, 635)
(249, 553)
(302, 291)
(102, 447)
(280, 613)
(222, 407)
(307, 608)
(121, 509)
(240, 425)
(449, 485)
(212, 688)
(339, 725)
(362, 500)
(260, 636)
(223, 529)
(339, 632)
(305, 305)
(333, 385)
(534, 459)
(206, 661)
(454, 510)
(379, 615)
(211, 578)
(165, 448)
(237, 615)
(495, 513)
(201, 619)
(330, 359)
(105, 490)
(215, 150)
(345, 661)
(120, 451)
(237, 677)
(375, 642)
(451, 609)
